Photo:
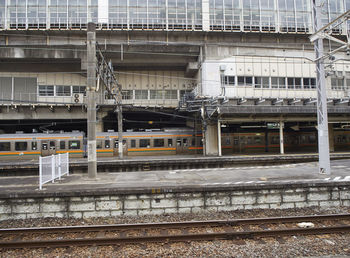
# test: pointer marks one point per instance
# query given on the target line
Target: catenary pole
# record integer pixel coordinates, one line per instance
(322, 119)
(91, 100)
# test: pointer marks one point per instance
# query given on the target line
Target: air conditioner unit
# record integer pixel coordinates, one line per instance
(78, 98)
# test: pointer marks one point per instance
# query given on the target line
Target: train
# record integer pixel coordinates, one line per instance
(172, 141)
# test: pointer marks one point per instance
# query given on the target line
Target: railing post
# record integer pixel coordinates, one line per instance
(53, 167)
(59, 167)
(40, 173)
(67, 161)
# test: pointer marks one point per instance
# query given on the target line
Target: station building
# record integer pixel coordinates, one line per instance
(232, 64)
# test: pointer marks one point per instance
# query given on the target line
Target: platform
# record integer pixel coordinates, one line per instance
(301, 173)
(169, 162)
(288, 186)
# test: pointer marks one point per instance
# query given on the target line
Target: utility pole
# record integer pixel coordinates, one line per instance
(322, 119)
(91, 100)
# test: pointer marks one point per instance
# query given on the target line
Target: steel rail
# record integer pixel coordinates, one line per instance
(173, 238)
(208, 223)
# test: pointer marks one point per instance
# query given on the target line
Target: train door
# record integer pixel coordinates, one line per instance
(116, 147)
(242, 144)
(182, 145)
(48, 147)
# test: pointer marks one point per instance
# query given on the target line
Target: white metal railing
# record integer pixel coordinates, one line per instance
(53, 167)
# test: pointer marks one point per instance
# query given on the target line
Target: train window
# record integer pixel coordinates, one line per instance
(52, 144)
(145, 143)
(34, 145)
(44, 146)
(62, 145)
(257, 139)
(228, 141)
(275, 139)
(312, 138)
(339, 139)
(249, 140)
(116, 144)
(178, 142)
(170, 142)
(185, 142)
(107, 144)
(21, 146)
(303, 139)
(344, 139)
(99, 144)
(193, 142)
(201, 142)
(74, 145)
(158, 142)
(133, 143)
(235, 140)
(5, 146)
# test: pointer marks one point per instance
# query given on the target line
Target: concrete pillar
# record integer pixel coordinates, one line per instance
(91, 101)
(219, 139)
(205, 15)
(99, 126)
(211, 140)
(331, 137)
(281, 138)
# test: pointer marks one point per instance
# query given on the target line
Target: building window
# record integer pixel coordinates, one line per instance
(266, 82)
(245, 80)
(79, 89)
(127, 94)
(298, 83)
(274, 82)
(290, 82)
(229, 80)
(282, 83)
(46, 90)
(337, 83)
(257, 82)
(156, 94)
(63, 90)
(141, 94)
(171, 94)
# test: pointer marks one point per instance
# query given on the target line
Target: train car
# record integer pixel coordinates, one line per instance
(150, 142)
(341, 140)
(174, 141)
(33, 145)
(245, 142)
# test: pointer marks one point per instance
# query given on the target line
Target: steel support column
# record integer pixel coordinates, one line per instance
(219, 139)
(281, 138)
(322, 119)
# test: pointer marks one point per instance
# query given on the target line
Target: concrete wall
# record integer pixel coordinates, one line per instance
(156, 201)
(261, 62)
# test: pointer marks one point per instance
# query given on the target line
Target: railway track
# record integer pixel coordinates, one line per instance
(171, 232)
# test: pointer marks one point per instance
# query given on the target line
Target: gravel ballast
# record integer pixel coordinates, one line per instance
(320, 245)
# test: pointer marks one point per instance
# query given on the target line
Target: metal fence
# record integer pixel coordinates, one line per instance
(53, 167)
